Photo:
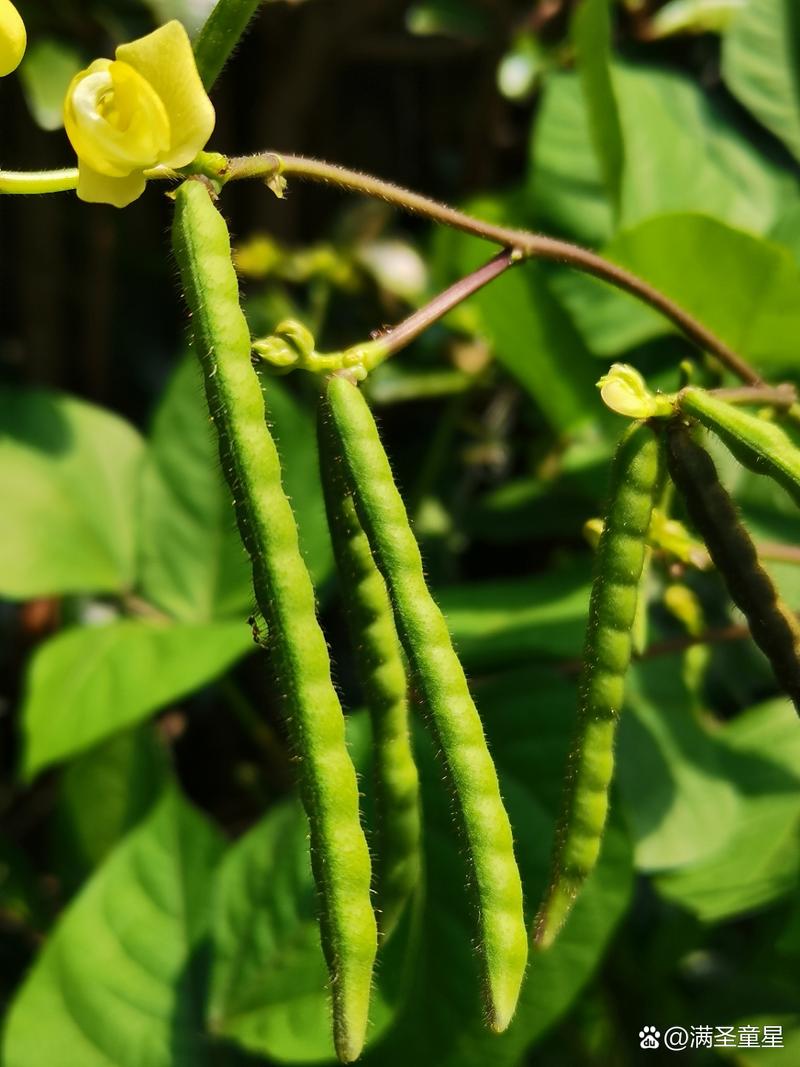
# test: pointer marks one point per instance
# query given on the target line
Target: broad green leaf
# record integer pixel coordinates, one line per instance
(591, 35)
(193, 564)
(761, 66)
(565, 184)
(69, 482)
(502, 623)
(760, 861)
(750, 299)
(46, 71)
(120, 980)
(683, 154)
(269, 985)
(88, 683)
(269, 980)
(105, 793)
(530, 332)
(676, 792)
(528, 717)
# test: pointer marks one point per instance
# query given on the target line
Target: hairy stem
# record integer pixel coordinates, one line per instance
(397, 337)
(269, 165)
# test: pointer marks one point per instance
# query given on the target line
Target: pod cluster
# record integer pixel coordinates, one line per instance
(397, 632)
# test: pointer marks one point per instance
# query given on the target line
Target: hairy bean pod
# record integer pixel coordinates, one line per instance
(382, 674)
(636, 478)
(285, 596)
(456, 724)
(773, 626)
(764, 447)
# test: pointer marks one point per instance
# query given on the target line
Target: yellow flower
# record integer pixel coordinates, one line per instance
(12, 38)
(145, 109)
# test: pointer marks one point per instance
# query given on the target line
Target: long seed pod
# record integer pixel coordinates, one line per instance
(636, 478)
(763, 446)
(773, 626)
(382, 674)
(502, 939)
(285, 596)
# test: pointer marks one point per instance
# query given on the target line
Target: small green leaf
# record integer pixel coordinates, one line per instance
(46, 71)
(88, 683)
(761, 66)
(72, 471)
(120, 979)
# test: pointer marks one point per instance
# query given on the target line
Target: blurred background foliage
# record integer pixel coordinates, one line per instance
(156, 908)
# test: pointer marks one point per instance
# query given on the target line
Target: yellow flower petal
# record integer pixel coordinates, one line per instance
(13, 38)
(96, 188)
(165, 59)
(115, 119)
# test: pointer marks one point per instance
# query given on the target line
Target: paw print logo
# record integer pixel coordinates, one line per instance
(649, 1037)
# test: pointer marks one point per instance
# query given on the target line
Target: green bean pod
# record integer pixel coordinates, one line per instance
(285, 596)
(502, 940)
(762, 446)
(636, 479)
(773, 626)
(382, 674)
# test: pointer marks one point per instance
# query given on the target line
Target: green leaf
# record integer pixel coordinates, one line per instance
(120, 980)
(69, 478)
(745, 289)
(88, 683)
(676, 794)
(503, 623)
(761, 66)
(565, 184)
(105, 793)
(760, 862)
(193, 564)
(591, 35)
(46, 71)
(531, 334)
(529, 717)
(684, 155)
(269, 980)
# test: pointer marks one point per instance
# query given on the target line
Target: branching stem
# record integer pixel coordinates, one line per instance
(528, 245)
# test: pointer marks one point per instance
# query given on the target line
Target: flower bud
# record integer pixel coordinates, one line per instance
(625, 391)
(13, 38)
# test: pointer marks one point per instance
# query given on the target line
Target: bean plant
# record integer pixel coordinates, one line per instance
(344, 945)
